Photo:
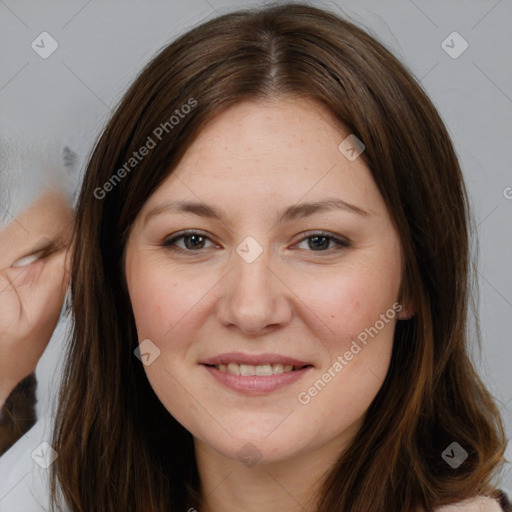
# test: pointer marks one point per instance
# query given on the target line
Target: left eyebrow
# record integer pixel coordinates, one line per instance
(305, 209)
(290, 213)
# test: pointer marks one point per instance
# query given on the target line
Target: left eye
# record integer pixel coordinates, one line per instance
(194, 241)
(321, 241)
(27, 260)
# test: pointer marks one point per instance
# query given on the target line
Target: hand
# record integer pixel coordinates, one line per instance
(33, 283)
(32, 291)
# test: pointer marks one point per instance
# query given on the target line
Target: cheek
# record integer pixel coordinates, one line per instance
(160, 304)
(350, 301)
(160, 299)
(361, 320)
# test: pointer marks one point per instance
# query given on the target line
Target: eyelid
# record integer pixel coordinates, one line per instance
(337, 238)
(45, 248)
(28, 259)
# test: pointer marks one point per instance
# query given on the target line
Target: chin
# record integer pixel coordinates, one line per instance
(256, 449)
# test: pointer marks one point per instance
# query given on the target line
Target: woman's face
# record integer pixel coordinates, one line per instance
(292, 298)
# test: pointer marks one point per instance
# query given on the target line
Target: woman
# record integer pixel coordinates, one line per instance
(270, 287)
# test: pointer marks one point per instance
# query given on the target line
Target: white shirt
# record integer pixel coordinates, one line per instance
(24, 473)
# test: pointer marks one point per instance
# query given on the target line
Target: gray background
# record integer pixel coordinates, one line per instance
(102, 45)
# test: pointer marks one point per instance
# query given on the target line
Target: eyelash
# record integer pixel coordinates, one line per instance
(169, 243)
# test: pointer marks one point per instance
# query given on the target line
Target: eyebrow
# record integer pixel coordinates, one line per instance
(292, 212)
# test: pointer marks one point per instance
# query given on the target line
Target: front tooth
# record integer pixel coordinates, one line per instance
(263, 369)
(234, 368)
(246, 370)
(277, 368)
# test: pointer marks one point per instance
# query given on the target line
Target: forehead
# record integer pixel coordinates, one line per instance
(283, 149)
(284, 130)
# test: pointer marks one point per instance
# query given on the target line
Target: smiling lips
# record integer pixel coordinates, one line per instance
(255, 374)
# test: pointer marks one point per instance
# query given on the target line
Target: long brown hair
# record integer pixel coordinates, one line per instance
(119, 448)
(18, 413)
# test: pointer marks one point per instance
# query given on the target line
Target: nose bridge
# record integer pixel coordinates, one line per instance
(254, 298)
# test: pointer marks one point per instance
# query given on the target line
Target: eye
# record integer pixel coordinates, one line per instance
(321, 242)
(45, 248)
(27, 260)
(193, 241)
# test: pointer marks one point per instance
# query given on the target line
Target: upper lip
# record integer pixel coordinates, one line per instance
(254, 359)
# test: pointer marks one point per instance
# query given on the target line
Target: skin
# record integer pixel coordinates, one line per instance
(33, 283)
(479, 504)
(251, 162)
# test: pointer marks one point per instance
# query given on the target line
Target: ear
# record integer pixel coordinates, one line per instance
(405, 313)
(407, 310)
(406, 301)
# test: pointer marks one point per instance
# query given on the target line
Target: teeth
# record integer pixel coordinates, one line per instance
(234, 368)
(247, 370)
(263, 369)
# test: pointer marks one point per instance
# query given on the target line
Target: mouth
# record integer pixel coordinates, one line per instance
(261, 370)
(255, 374)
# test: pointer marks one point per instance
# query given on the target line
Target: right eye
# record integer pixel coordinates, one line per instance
(196, 239)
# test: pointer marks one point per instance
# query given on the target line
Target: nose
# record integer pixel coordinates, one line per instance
(254, 299)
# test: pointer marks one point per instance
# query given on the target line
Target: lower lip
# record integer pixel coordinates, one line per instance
(257, 384)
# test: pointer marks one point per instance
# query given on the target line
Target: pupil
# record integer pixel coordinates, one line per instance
(193, 244)
(321, 245)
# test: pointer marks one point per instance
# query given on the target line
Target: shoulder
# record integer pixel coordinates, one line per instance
(478, 504)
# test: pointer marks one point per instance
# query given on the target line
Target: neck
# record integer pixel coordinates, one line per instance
(229, 485)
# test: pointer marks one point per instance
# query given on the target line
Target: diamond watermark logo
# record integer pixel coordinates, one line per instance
(454, 455)
(44, 45)
(454, 45)
(351, 147)
(147, 352)
(44, 455)
(249, 454)
(249, 250)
